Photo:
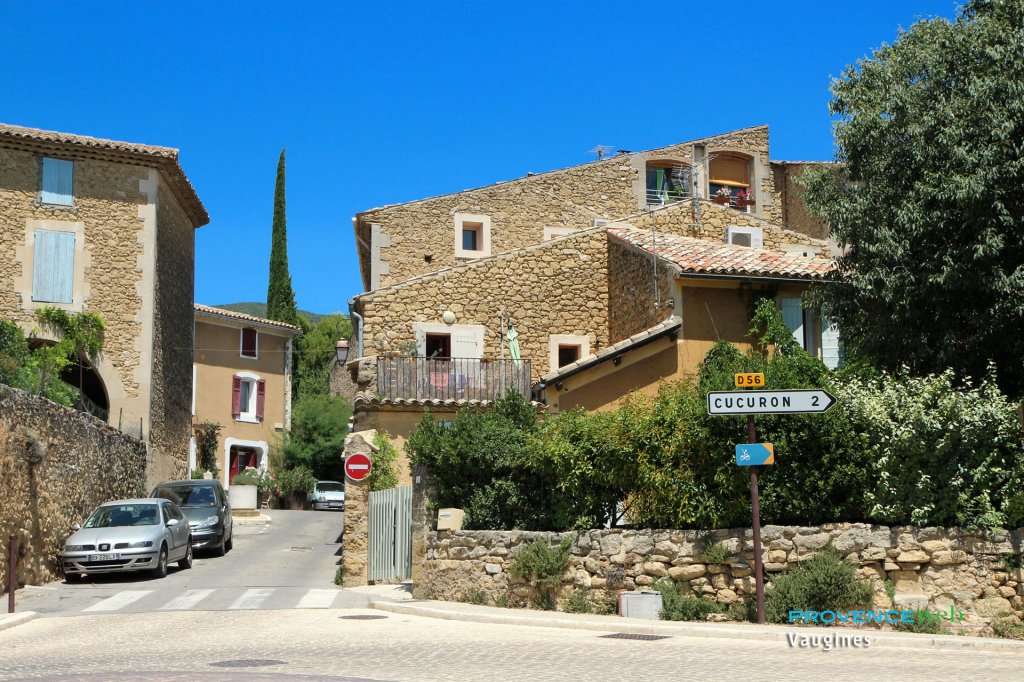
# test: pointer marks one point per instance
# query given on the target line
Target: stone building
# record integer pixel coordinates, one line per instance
(242, 381)
(610, 277)
(105, 226)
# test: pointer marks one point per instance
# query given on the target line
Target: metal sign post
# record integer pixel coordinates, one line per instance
(755, 503)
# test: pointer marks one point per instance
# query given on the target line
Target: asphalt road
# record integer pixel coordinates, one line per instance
(289, 563)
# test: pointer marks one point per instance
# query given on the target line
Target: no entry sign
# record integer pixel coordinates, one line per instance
(357, 466)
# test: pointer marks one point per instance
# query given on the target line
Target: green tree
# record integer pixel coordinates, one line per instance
(280, 295)
(384, 469)
(317, 437)
(13, 352)
(930, 136)
(316, 353)
(81, 338)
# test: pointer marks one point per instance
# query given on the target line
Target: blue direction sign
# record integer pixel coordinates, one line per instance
(755, 454)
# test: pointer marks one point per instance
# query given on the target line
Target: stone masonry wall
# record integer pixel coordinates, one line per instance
(795, 214)
(107, 201)
(632, 306)
(84, 463)
(558, 287)
(171, 401)
(930, 567)
(519, 210)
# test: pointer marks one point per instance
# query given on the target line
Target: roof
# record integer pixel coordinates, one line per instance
(371, 398)
(164, 159)
(697, 257)
(232, 315)
(663, 328)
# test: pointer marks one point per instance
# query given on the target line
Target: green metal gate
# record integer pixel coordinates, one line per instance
(390, 541)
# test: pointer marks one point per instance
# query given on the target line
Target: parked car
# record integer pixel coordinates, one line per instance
(206, 505)
(129, 535)
(328, 495)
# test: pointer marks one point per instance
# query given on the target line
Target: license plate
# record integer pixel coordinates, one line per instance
(104, 557)
(335, 504)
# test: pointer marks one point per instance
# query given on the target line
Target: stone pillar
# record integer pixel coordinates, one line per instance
(424, 487)
(354, 541)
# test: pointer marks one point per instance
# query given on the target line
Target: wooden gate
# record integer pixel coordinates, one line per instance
(390, 529)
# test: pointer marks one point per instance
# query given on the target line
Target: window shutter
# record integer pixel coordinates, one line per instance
(465, 345)
(793, 316)
(236, 396)
(56, 185)
(831, 345)
(53, 266)
(261, 398)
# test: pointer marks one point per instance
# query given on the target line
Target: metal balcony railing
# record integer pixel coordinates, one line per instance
(405, 378)
(662, 197)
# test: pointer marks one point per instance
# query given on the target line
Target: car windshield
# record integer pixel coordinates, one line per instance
(118, 515)
(330, 487)
(187, 495)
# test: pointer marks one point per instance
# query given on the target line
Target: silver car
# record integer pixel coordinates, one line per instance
(328, 495)
(129, 535)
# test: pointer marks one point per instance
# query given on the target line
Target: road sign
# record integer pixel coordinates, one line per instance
(769, 402)
(755, 454)
(750, 380)
(357, 466)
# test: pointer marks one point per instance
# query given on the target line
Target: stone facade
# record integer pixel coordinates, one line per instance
(133, 213)
(84, 462)
(795, 214)
(930, 567)
(355, 538)
(633, 305)
(406, 240)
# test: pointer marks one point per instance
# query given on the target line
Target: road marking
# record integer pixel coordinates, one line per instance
(187, 600)
(251, 599)
(118, 601)
(317, 599)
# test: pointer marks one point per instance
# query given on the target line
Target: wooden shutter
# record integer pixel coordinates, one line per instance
(793, 316)
(53, 266)
(465, 344)
(249, 343)
(56, 186)
(831, 345)
(236, 396)
(261, 398)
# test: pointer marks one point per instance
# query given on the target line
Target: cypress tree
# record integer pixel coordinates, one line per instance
(280, 295)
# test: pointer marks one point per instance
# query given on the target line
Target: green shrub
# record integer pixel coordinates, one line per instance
(297, 480)
(383, 470)
(503, 601)
(677, 605)
(338, 576)
(544, 601)
(890, 591)
(923, 623)
(743, 611)
(474, 596)
(198, 474)
(607, 604)
(1012, 561)
(316, 440)
(1008, 628)
(822, 583)
(715, 553)
(579, 602)
(246, 477)
(542, 566)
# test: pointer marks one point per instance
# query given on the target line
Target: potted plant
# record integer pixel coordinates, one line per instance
(744, 198)
(243, 489)
(293, 485)
(723, 196)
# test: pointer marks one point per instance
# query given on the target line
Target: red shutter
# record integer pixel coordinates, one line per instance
(261, 398)
(249, 343)
(236, 397)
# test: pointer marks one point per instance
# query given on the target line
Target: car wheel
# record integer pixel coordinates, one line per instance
(161, 564)
(222, 548)
(229, 544)
(73, 578)
(186, 562)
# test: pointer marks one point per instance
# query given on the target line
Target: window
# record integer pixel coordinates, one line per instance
(56, 185)
(667, 183)
(729, 181)
(248, 397)
(568, 354)
(53, 266)
(472, 235)
(439, 346)
(250, 343)
(745, 236)
(565, 349)
(805, 327)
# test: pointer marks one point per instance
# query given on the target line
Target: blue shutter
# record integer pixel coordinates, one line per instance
(793, 316)
(53, 266)
(831, 345)
(56, 188)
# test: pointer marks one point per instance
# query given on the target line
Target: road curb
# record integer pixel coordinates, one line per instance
(261, 520)
(9, 620)
(772, 633)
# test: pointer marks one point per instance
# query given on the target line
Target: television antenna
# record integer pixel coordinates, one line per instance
(601, 150)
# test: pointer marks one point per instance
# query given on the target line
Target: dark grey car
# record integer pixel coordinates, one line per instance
(205, 504)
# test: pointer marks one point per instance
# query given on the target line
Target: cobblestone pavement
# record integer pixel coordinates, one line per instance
(327, 643)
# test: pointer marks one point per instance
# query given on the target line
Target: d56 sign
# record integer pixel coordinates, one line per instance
(750, 380)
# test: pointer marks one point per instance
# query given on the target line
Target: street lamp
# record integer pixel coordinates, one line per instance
(341, 351)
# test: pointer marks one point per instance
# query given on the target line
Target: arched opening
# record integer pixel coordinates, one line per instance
(668, 182)
(729, 180)
(85, 386)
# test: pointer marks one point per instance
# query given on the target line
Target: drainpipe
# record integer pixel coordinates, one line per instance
(359, 326)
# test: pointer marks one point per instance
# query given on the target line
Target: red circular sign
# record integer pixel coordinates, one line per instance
(357, 466)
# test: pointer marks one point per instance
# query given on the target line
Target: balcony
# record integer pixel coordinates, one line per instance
(405, 378)
(663, 197)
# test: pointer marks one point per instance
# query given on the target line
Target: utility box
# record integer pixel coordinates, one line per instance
(640, 604)
(449, 519)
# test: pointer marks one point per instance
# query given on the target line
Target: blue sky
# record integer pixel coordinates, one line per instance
(381, 103)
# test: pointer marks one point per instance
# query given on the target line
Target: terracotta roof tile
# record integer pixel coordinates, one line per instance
(221, 312)
(699, 257)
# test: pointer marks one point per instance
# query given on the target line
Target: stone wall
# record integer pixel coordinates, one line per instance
(418, 237)
(171, 397)
(632, 305)
(795, 214)
(84, 463)
(558, 287)
(355, 538)
(929, 566)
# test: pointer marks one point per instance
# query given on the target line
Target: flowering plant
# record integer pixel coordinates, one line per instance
(724, 192)
(742, 194)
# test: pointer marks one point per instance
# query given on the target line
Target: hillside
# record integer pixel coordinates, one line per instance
(260, 310)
